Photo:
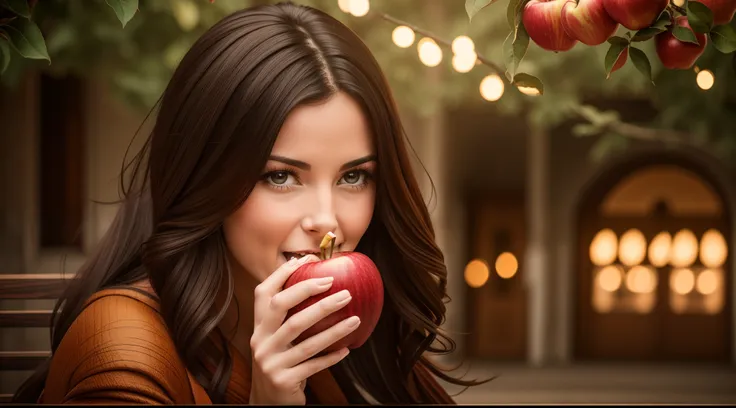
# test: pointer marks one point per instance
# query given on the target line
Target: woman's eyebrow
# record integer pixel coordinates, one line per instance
(306, 166)
(358, 162)
(296, 163)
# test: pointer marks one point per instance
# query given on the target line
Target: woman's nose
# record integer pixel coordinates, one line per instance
(320, 218)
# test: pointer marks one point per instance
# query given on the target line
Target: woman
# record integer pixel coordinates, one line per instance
(276, 128)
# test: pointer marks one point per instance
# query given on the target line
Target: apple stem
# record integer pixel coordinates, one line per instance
(328, 240)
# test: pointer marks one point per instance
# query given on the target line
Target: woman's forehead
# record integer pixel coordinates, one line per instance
(337, 127)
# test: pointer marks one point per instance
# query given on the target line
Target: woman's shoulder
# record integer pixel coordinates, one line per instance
(118, 350)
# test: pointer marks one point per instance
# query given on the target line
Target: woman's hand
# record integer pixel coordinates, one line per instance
(280, 370)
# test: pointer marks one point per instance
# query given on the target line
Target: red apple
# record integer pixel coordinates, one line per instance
(723, 10)
(358, 274)
(635, 14)
(543, 22)
(676, 54)
(587, 21)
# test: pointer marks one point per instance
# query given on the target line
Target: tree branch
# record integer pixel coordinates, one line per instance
(649, 134)
(629, 130)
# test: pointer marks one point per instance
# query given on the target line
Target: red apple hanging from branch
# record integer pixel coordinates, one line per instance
(588, 21)
(677, 54)
(543, 22)
(634, 14)
(681, 34)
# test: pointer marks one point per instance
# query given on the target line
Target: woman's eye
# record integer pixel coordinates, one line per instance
(352, 177)
(279, 177)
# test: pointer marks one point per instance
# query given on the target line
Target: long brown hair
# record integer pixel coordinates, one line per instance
(216, 125)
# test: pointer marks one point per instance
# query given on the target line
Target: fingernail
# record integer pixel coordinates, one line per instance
(352, 322)
(343, 294)
(292, 261)
(325, 281)
(344, 301)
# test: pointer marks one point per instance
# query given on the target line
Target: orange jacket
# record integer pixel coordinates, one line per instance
(118, 351)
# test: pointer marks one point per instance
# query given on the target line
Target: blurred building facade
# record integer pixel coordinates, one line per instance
(557, 258)
(553, 258)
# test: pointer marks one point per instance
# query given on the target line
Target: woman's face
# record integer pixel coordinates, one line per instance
(318, 179)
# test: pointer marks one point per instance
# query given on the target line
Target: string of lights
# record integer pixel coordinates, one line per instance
(430, 52)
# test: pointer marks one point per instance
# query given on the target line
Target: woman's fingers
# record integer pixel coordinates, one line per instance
(317, 364)
(291, 297)
(301, 321)
(273, 284)
(317, 343)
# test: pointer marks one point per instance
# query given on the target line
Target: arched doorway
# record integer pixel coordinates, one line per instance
(653, 282)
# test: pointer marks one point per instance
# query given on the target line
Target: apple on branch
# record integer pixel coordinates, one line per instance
(635, 14)
(353, 271)
(723, 10)
(543, 22)
(587, 21)
(676, 54)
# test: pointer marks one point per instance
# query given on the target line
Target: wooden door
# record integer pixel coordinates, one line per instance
(497, 308)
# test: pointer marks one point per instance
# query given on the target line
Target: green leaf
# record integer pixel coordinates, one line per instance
(685, 34)
(472, 7)
(659, 26)
(641, 62)
(528, 81)
(4, 56)
(26, 38)
(515, 47)
(618, 40)
(615, 51)
(723, 38)
(646, 34)
(508, 56)
(520, 45)
(124, 9)
(517, 42)
(507, 49)
(615, 40)
(699, 16)
(511, 12)
(663, 21)
(19, 7)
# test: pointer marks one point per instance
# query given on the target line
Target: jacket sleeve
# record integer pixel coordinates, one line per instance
(117, 351)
